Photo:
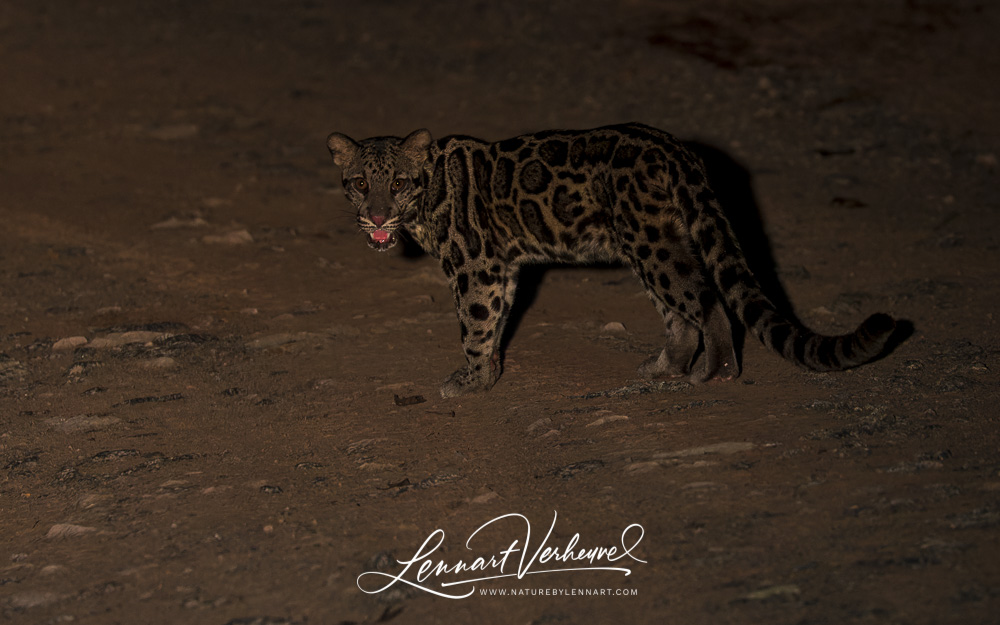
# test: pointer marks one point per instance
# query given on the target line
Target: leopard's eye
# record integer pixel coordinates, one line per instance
(398, 184)
(361, 184)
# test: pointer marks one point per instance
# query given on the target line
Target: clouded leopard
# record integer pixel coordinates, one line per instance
(627, 193)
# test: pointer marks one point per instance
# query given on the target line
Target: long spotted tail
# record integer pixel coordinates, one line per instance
(815, 351)
(715, 242)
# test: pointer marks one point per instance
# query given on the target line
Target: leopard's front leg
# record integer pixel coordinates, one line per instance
(482, 301)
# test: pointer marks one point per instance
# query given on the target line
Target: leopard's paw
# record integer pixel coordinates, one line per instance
(464, 382)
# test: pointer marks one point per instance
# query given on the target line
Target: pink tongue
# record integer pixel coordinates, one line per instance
(380, 236)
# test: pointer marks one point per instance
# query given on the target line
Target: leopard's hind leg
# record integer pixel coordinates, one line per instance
(678, 356)
(699, 335)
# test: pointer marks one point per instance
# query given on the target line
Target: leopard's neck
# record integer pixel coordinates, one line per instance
(430, 223)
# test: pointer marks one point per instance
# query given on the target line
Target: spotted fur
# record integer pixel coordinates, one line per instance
(627, 193)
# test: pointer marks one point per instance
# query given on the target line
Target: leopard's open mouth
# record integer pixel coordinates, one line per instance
(381, 240)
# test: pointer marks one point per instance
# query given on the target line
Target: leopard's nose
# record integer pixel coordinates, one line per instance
(378, 220)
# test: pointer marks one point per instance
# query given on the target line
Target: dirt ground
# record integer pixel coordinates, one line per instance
(217, 405)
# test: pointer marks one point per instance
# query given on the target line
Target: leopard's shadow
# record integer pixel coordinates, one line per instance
(732, 184)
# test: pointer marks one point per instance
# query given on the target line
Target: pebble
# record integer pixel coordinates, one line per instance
(485, 497)
(408, 400)
(785, 591)
(118, 339)
(607, 419)
(274, 340)
(572, 470)
(614, 327)
(91, 500)
(80, 423)
(702, 486)
(32, 599)
(377, 466)
(69, 343)
(537, 424)
(717, 448)
(642, 467)
(236, 237)
(174, 223)
(67, 530)
(160, 364)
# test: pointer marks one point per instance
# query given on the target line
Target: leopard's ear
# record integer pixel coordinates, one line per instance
(342, 147)
(416, 143)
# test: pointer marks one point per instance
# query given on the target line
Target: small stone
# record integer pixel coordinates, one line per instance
(91, 500)
(236, 237)
(160, 364)
(717, 448)
(614, 327)
(119, 339)
(408, 400)
(377, 466)
(32, 599)
(785, 591)
(608, 419)
(174, 223)
(81, 423)
(537, 424)
(69, 343)
(274, 340)
(68, 530)
(578, 468)
(485, 497)
(642, 467)
(702, 486)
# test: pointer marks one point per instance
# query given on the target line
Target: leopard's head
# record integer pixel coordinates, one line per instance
(383, 179)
